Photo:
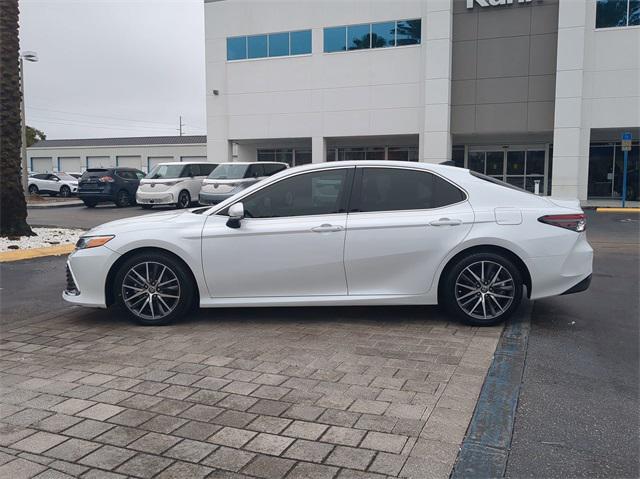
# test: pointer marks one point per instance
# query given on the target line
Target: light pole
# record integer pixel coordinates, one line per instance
(30, 57)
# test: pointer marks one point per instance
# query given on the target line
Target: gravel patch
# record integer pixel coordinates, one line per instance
(45, 237)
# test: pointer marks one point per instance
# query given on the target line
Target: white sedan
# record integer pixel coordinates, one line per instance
(342, 233)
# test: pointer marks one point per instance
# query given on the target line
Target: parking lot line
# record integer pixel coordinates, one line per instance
(618, 210)
(19, 255)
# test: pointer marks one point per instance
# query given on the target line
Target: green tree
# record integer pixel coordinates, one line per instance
(13, 207)
(34, 135)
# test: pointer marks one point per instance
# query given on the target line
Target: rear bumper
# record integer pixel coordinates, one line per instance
(581, 286)
(96, 195)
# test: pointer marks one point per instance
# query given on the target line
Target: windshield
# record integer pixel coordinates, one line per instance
(165, 171)
(66, 177)
(228, 171)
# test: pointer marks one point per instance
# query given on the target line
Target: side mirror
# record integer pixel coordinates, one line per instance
(236, 213)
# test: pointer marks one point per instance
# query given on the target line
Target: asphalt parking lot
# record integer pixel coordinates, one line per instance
(311, 392)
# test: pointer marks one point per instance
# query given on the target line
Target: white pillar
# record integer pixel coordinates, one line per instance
(571, 134)
(437, 27)
(318, 149)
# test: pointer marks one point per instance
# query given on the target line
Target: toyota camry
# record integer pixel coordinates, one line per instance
(341, 233)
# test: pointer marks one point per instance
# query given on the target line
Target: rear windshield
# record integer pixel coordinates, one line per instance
(93, 172)
(229, 171)
(165, 171)
(498, 182)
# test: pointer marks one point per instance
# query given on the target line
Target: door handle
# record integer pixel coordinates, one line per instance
(445, 222)
(326, 228)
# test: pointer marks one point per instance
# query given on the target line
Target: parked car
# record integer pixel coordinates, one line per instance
(342, 233)
(227, 179)
(75, 174)
(53, 183)
(176, 183)
(117, 185)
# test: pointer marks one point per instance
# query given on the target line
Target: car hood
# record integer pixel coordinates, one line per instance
(155, 221)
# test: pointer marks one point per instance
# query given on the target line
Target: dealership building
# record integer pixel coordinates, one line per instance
(534, 92)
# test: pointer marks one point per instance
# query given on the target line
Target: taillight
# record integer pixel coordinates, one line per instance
(106, 179)
(574, 222)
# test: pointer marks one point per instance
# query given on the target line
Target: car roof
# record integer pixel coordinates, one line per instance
(188, 163)
(254, 163)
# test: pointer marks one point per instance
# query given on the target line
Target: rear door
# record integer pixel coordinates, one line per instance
(401, 224)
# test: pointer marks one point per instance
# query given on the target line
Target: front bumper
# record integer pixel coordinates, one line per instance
(213, 198)
(87, 271)
(159, 198)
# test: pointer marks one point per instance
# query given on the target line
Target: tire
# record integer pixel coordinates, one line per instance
(146, 207)
(123, 199)
(33, 190)
(477, 302)
(164, 270)
(184, 200)
(90, 203)
(65, 191)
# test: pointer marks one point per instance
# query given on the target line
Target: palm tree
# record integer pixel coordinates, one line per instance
(13, 207)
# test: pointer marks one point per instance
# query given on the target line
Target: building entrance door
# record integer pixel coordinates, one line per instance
(521, 166)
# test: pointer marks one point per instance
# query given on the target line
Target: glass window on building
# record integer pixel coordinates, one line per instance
(402, 153)
(359, 36)
(236, 48)
(457, 156)
(606, 171)
(408, 32)
(383, 34)
(279, 44)
(617, 13)
(290, 156)
(257, 46)
(335, 39)
(301, 42)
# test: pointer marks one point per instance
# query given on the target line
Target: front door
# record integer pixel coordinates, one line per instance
(401, 225)
(290, 243)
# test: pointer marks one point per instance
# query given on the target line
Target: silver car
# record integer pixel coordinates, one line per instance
(227, 179)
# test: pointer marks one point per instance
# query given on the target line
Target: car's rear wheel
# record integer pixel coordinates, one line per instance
(154, 288)
(483, 289)
(90, 203)
(33, 190)
(65, 191)
(184, 200)
(123, 199)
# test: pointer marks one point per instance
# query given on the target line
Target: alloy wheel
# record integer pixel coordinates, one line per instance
(183, 200)
(484, 290)
(151, 290)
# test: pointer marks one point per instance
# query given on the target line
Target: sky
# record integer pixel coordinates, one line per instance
(109, 68)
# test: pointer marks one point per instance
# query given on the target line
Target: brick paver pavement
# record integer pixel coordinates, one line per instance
(269, 393)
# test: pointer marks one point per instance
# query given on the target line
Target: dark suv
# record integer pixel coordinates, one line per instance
(118, 185)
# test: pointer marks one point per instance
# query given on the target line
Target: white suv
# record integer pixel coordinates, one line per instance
(176, 183)
(53, 183)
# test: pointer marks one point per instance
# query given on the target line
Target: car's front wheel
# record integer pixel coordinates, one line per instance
(184, 200)
(123, 199)
(33, 190)
(65, 191)
(154, 288)
(483, 289)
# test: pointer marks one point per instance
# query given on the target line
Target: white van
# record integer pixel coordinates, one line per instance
(175, 183)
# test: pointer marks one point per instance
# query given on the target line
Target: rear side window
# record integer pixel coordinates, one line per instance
(393, 189)
(126, 174)
(270, 169)
(498, 182)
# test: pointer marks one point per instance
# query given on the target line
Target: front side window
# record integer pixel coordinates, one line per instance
(166, 171)
(617, 13)
(255, 171)
(205, 170)
(315, 193)
(394, 189)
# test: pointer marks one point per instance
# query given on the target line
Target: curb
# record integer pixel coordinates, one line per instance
(19, 255)
(617, 210)
(62, 204)
(485, 449)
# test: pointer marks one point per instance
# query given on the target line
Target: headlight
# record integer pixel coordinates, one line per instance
(93, 241)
